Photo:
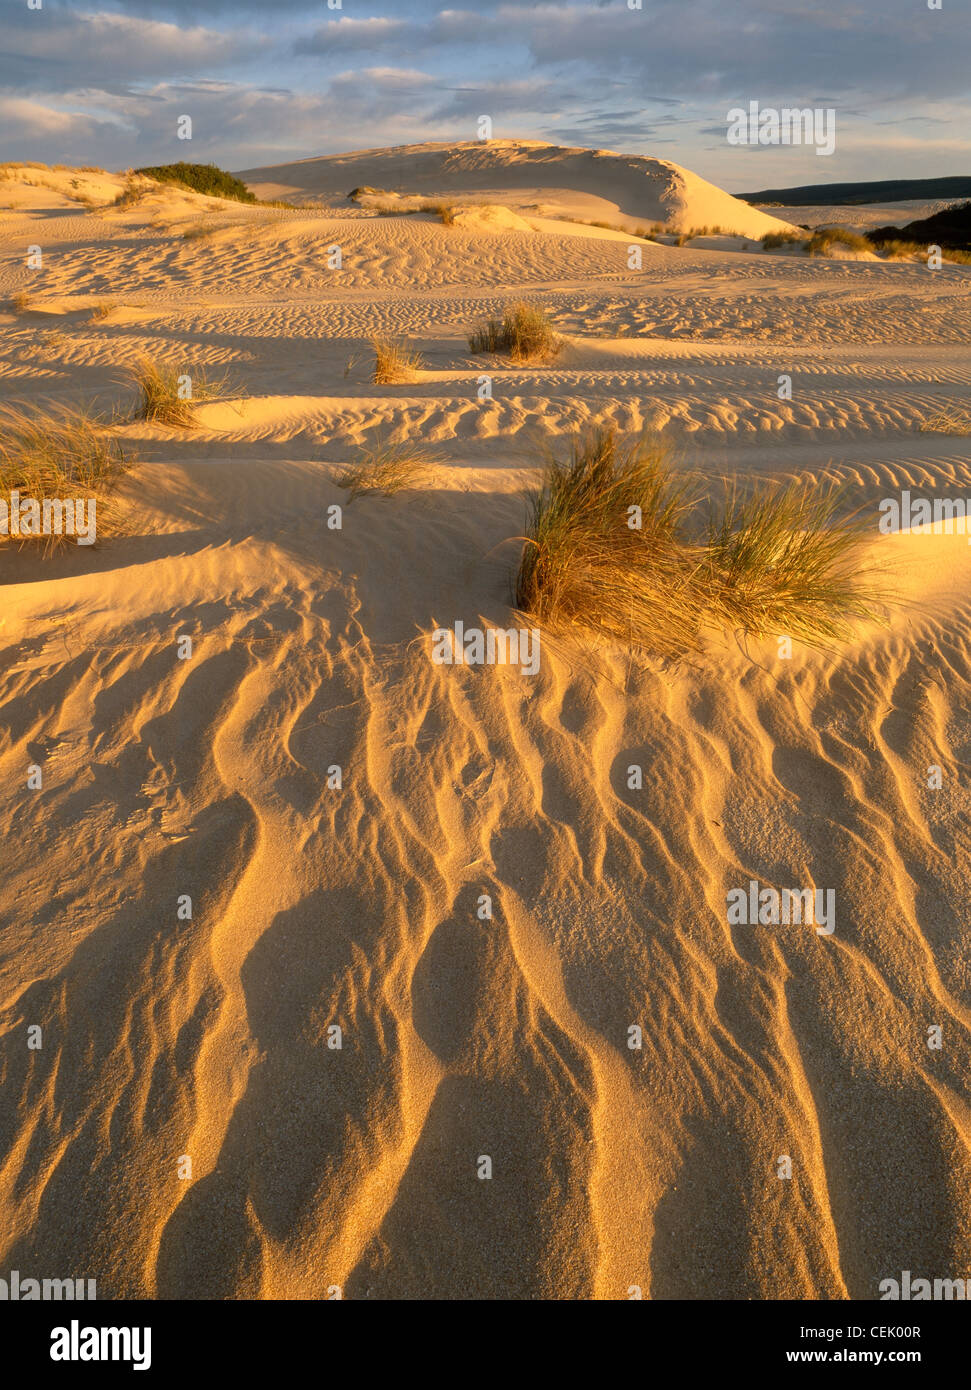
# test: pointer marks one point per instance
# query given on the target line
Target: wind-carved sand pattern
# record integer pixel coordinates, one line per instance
(353, 900)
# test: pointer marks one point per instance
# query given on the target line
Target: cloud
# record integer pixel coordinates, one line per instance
(96, 47)
(297, 78)
(348, 35)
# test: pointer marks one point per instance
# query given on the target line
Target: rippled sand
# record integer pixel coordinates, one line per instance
(313, 1167)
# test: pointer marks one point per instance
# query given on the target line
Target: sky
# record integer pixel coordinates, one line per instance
(90, 82)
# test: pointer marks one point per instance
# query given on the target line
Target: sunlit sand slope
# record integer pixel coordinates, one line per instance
(596, 184)
(338, 808)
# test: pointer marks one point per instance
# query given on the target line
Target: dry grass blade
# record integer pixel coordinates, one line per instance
(385, 469)
(394, 362)
(948, 422)
(58, 453)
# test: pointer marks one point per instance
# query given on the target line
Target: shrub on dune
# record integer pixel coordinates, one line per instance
(20, 303)
(385, 469)
(207, 179)
(524, 332)
(60, 453)
(394, 362)
(445, 212)
(132, 193)
(778, 563)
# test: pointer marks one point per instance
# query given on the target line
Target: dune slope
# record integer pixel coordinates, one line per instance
(338, 808)
(596, 184)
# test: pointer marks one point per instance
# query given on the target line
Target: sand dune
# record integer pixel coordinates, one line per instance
(313, 906)
(561, 180)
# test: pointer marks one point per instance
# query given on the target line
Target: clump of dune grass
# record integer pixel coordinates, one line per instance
(163, 392)
(772, 240)
(650, 233)
(585, 566)
(61, 453)
(102, 309)
(823, 240)
(132, 193)
(444, 211)
(950, 421)
(613, 548)
(897, 249)
(784, 561)
(194, 233)
(78, 196)
(20, 303)
(524, 332)
(394, 362)
(385, 469)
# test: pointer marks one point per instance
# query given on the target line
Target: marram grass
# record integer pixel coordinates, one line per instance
(783, 561)
(613, 548)
(394, 362)
(161, 392)
(59, 452)
(524, 332)
(385, 469)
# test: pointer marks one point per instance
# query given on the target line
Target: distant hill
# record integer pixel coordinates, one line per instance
(848, 194)
(950, 229)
